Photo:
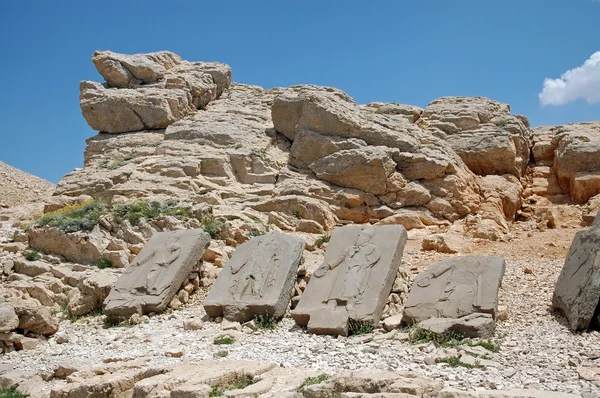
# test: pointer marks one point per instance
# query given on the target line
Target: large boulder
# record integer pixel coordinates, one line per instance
(127, 70)
(454, 288)
(482, 132)
(8, 318)
(32, 315)
(148, 91)
(112, 110)
(79, 247)
(577, 291)
(157, 273)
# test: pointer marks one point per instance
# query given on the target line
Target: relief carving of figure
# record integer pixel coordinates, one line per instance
(355, 265)
(255, 273)
(161, 257)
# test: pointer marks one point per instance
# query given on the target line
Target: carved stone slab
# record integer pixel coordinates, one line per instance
(577, 291)
(156, 274)
(454, 288)
(258, 279)
(355, 279)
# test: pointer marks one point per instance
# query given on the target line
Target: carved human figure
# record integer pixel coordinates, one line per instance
(355, 265)
(254, 274)
(161, 257)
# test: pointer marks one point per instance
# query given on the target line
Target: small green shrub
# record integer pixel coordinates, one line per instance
(265, 321)
(356, 327)
(501, 122)
(297, 213)
(224, 340)
(64, 309)
(212, 226)
(453, 362)
(309, 381)
(137, 210)
(104, 262)
(446, 340)
(322, 240)
(487, 344)
(80, 217)
(241, 381)
(254, 233)
(11, 392)
(31, 254)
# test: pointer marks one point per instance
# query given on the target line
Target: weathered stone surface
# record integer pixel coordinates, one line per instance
(355, 279)
(517, 393)
(473, 325)
(454, 288)
(32, 315)
(113, 110)
(374, 384)
(258, 279)
(91, 293)
(127, 70)
(8, 318)
(482, 132)
(577, 291)
(79, 247)
(157, 273)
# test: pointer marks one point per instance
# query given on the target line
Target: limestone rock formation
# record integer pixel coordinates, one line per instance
(258, 279)
(482, 132)
(572, 153)
(151, 281)
(148, 91)
(577, 291)
(354, 281)
(454, 288)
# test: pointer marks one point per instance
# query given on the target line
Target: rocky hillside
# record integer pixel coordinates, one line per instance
(18, 187)
(179, 146)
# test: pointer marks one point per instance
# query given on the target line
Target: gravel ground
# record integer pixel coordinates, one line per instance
(537, 349)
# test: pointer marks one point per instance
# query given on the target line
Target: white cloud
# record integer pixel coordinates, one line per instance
(581, 82)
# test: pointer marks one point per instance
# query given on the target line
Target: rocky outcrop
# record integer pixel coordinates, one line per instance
(572, 153)
(482, 132)
(148, 91)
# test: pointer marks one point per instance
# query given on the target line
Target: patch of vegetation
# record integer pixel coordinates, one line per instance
(115, 323)
(309, 381)
(31, 254)
(322, 240)
(11, 392)
(501, 122)
(224, 340)
(297, 213)
(261, 156)
(265, 321)
(66, 313)
(104, 262)
(254, 233)
(212, 226)
(356, 327)
(80, 217)
(241, 381)
(148, 210)
(449, 339)
(454, 362)
(560, 129)
(487, 344)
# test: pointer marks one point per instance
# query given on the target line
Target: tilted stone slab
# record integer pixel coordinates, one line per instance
(355, 279)
(577, 291)
(258, 279)
(454, 288)
(156, 274)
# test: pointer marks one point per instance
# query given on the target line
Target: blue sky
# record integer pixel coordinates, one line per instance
(395, 51)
